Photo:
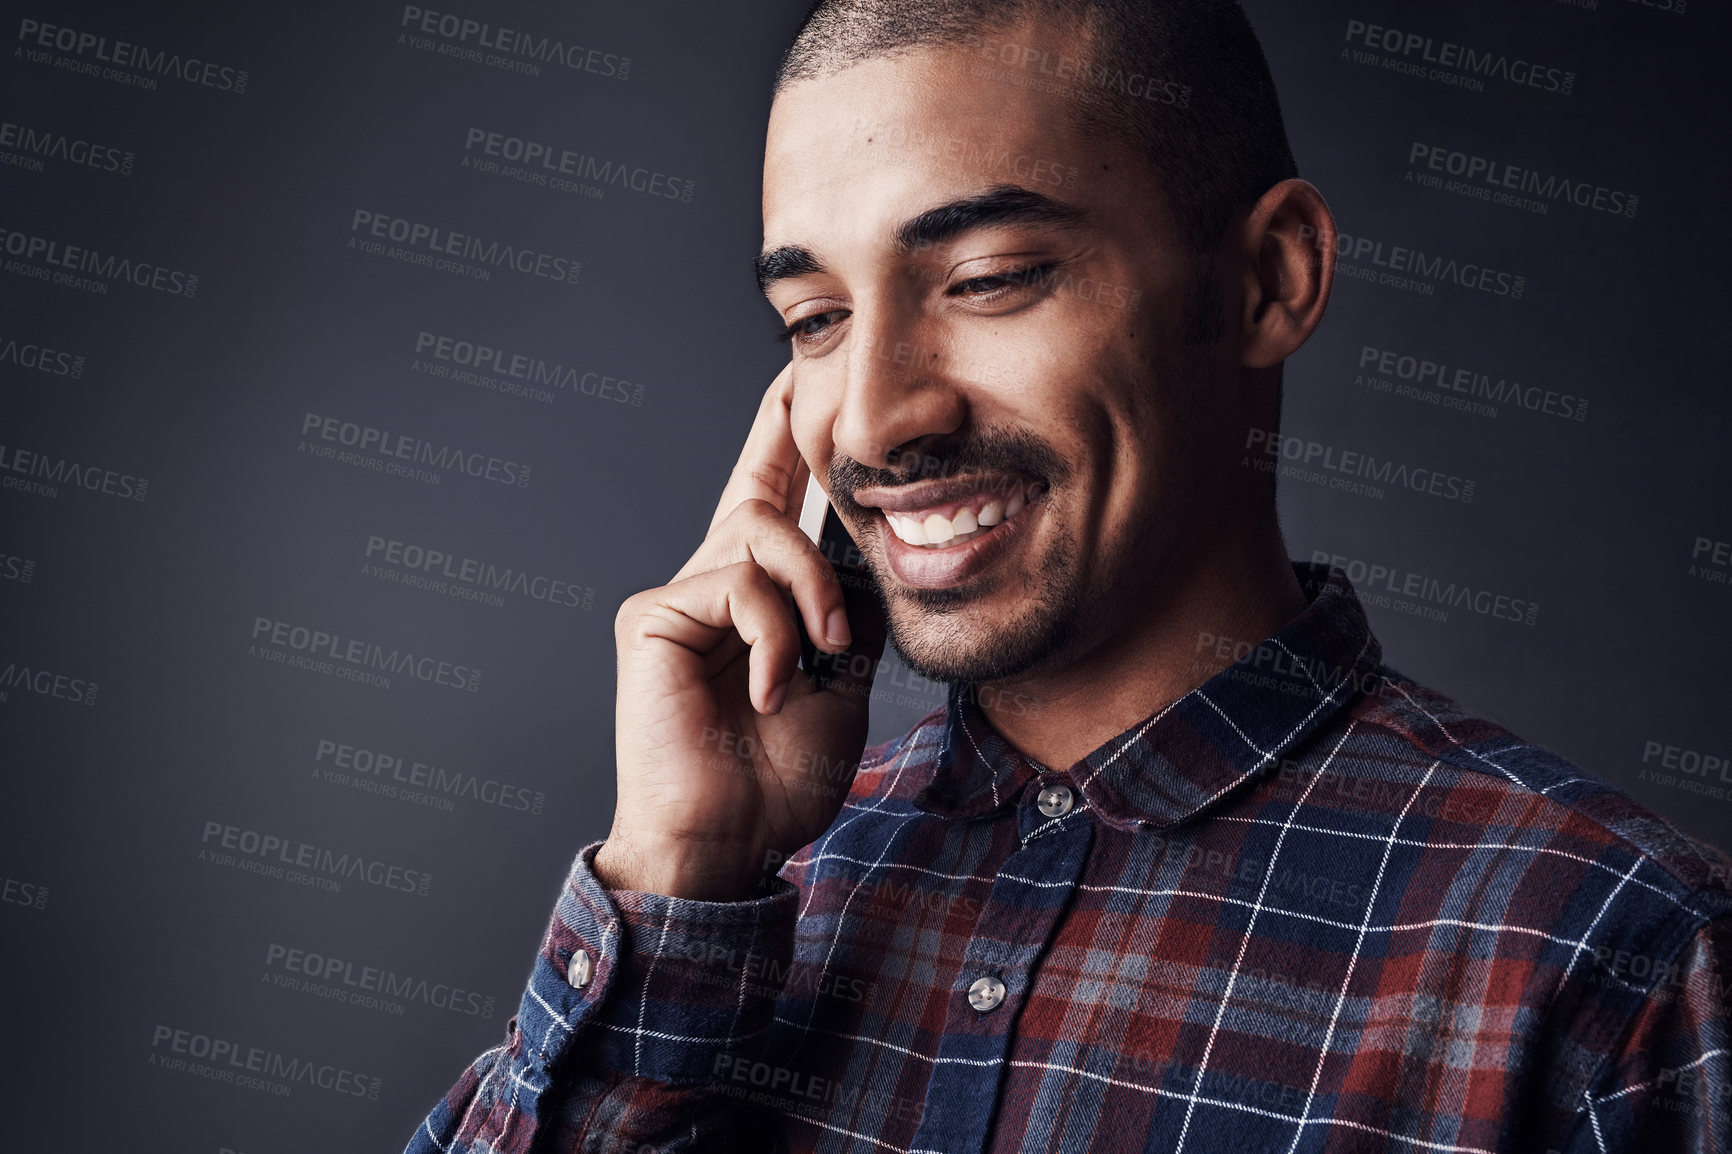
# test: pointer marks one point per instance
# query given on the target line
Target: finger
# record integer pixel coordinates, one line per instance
(701, 612)
(849, 673)
(769, 468)
(725, 654)
(756, 532)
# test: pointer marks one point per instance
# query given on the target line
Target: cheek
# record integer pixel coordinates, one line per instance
(1023, 367)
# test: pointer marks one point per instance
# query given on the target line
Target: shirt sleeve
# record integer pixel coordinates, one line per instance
(680, 995)
(1667, 1089)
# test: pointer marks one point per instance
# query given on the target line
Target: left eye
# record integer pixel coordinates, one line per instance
(999, 282)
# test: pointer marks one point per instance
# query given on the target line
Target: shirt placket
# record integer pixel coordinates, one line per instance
(1033, 887)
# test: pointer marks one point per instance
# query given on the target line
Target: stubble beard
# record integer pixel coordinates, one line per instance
(942, 635)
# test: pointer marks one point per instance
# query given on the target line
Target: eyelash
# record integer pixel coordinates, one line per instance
(792, 332)
(1017, 278)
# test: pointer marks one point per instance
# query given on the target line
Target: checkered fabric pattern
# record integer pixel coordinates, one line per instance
(1310, 906)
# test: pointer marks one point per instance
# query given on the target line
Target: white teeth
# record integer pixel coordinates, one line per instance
(907, 528)
(938, 531)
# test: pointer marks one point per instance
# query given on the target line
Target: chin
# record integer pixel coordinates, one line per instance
(939, 636)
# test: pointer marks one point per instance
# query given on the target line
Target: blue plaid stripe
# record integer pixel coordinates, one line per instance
(1309, 906)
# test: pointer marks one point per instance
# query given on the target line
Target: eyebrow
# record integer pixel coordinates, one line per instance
(1002, 204)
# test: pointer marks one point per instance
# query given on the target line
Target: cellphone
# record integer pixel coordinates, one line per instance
(818, 520)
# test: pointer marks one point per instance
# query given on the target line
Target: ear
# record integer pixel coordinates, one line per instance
(1288, 241)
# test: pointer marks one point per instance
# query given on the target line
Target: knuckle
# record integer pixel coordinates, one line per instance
(720, 549)
(632, 626)
(776, 642)
(756, 512)
(772, 476)
(627, 615)
(755, 578)
(817, 568)
(770, 534)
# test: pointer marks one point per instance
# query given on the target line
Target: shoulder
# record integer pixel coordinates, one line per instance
(1515, 791)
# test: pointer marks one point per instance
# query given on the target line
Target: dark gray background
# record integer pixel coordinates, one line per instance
(113, 926)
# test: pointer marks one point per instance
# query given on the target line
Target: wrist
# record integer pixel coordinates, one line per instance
(692, 871)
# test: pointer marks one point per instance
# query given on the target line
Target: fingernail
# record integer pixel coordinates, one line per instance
(836, 627)
(777, 696)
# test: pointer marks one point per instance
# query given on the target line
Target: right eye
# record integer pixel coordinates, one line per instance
(809, 330)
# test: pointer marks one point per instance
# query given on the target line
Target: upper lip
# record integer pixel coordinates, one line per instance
(946, 490)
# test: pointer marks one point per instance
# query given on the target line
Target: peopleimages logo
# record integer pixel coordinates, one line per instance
(368, 439)
(15, 568)
(1711, 561)
(254, 1067)
(85, 268)
(546, 164)
(40, 358)
(34, 145)
(1426, 596)
(427, 244)
(1081, 77)
(511, 49)
(1690, 770)
(1502, 183)
(33, 679)
(1439, 382)
(264, 853)
(322, 652)
(417, 782)
(37, 36)
(1424, 56)
(1402, 267)
(46, 472)
(1350, 467)
(370, 987)
(18, 892)
(408, 563)
(506, 370)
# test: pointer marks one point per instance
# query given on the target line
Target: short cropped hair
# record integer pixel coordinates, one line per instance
(1185, 81)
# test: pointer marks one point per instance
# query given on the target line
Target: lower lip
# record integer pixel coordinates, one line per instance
(926, 568)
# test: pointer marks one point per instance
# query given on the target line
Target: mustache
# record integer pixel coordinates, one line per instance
(986, 451)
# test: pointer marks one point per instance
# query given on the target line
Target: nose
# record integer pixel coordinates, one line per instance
(897, 390)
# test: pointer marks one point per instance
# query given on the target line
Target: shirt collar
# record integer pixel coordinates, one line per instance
(1188, 755)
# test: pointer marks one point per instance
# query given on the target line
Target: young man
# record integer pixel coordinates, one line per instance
(1181, 866)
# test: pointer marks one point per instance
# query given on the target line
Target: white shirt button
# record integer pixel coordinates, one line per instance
(579, 970)
(985, 994)
(1056, 800)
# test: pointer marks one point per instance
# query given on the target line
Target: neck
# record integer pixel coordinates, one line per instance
(1138, 665)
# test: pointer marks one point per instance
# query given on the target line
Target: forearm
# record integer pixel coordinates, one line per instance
(634, 1002)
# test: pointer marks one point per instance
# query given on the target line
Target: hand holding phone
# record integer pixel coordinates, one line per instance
(818, 520)
(728, 756)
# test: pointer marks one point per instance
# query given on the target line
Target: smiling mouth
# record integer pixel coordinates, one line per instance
(934, 519)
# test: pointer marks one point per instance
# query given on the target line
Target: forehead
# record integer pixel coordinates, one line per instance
(853, 152)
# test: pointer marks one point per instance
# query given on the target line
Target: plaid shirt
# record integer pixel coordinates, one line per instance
(1308, 906)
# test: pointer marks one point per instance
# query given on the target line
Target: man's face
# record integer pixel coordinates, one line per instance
(987, 309)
